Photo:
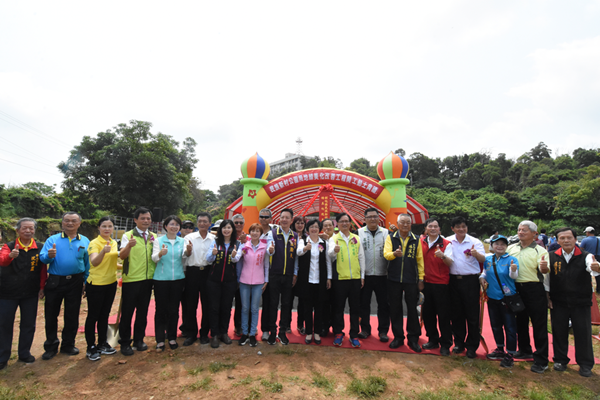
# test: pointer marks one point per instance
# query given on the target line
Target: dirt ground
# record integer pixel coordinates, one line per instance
(277, 372)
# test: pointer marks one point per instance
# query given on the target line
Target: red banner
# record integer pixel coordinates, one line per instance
(324, 204)
(322, 176)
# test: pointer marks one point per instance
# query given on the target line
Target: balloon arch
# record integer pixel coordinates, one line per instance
(326, 190)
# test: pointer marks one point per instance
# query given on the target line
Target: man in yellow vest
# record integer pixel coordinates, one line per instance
(348, 278)
(138, 272)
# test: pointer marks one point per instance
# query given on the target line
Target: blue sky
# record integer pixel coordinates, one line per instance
(353, 79)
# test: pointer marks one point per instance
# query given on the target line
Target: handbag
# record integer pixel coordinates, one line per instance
(514, 301)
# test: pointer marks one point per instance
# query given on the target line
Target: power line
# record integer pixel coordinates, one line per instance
(30, 152)
(27, 166)
(31, 129)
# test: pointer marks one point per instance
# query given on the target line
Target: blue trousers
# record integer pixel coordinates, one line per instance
(250, 296)
(8, 309)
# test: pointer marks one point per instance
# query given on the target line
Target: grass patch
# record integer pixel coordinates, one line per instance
(253, 395)
(368, 388)
(112, 377)
(272, 387)
(245, 381)
(452, 394)
(321, 381)
(201, 384)
(219, 366)
(21, 392)
(348, 371)
(29, 374)
(195, 371)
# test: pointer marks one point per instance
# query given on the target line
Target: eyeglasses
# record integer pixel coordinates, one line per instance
(239, 223)
(264, 216)
(188, 227)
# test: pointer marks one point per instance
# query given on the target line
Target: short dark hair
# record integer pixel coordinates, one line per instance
(287, 210)
(565, 229)
(326, 219)
(430, 220)
(220, 240)
(203, 214)
(543, 230)
(311, 222)
(104, 219)
(340, 216)
(71, 213)
(141, 210)
(171, 218)
(371, 209)
(457, 221)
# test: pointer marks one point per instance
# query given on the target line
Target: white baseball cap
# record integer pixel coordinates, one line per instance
(589, 229)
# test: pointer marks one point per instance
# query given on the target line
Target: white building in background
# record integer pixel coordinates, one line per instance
(291, 160)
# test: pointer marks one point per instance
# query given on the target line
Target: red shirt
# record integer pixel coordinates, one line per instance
(436, 271)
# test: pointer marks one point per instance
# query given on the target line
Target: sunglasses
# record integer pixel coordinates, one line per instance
(264, 217)
(239, 223)
(188, 227)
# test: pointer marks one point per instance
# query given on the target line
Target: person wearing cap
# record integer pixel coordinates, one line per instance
(498, 278)
(533, 264)
(570, 298)
(591, 244)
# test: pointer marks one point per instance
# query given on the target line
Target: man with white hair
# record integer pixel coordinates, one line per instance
(533, 263)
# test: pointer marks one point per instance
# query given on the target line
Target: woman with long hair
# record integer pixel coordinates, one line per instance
(169, 253)
(223, 254)
(298, 225)
(100, 288)
(253, 276)
(313, 263)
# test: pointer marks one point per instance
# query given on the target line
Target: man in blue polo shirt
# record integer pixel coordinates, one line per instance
(68, 263)
(591, 244)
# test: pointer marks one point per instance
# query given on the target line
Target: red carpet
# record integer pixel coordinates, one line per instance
(371, 343)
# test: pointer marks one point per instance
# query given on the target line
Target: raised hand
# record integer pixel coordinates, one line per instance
(132, 242)
(544, 265)
(336, 249)
(595, 266)
(474, 253)
(272, 248)
(52, 251)
(107, 248)
(14, 253)
(163, 251)
(189, 248)
(398, 252)
(215, 251)
(439, 253)
(513, 266)
(234, 252)
(308, 246)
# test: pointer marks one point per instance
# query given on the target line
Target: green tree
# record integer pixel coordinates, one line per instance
(128, 167)
(364, 167)
(40, 187)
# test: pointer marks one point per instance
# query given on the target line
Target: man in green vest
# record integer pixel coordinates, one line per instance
(138, 271)
(348, 278)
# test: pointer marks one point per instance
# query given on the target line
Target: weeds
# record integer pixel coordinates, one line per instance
(254, 394)
(201, 384)
(272, 387)
(246, 381)
(219, 366)
(368, 388)
(321, 381)
(195, 371)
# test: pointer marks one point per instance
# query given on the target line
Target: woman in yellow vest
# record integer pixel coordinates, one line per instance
(100, 289)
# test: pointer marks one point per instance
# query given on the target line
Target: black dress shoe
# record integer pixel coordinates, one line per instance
(140, 346)
(72, 351)
(471, 353)
(307, 340)
(458, 350)
(396, 343)
(225, 339)
(430, 346)
(204, 340)
(414, 347)
(126, 350)
(27, 360)
(189, 341)
(444, 351)
(363, 335)
(214, 342)
(383, 337)
(522, 356)
(173, 346)
(585, 372)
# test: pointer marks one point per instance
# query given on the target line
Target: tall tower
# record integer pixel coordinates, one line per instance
(299, 146)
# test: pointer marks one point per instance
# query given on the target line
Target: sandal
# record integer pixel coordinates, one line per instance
(308, 339)
(317, 339)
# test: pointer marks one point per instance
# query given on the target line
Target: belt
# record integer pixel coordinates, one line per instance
(72, 276)
(463, 276)
(202, 267)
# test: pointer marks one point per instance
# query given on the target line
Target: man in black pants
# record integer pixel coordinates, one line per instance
(264, 218)
(533, 264)
(21, 286)
(281, 276)
(468, 253)
(404, 252)
(196, 277)
(569, 297)
(138, 271)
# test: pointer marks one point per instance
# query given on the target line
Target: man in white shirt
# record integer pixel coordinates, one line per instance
(468, 253)
(372, 237)
(195, 282)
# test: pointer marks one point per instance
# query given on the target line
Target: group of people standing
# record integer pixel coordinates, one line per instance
(303, 257)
